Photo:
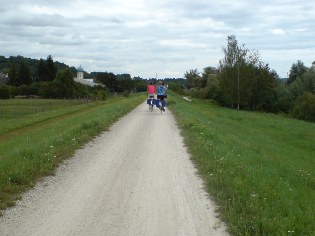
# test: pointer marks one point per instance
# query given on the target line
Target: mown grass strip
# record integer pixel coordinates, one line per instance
(258, 167)
(49, 109)
(32, 154)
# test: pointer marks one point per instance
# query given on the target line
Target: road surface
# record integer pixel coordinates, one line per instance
(136, 179)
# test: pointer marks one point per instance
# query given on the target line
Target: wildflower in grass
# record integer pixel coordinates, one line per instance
(52, 146)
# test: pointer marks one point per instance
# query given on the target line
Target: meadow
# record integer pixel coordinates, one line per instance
(16, 113)
(33, 145)
(257, 167)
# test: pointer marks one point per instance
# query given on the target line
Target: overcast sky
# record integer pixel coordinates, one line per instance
(167, 37)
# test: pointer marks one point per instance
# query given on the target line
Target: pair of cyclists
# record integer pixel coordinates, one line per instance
(160, 90)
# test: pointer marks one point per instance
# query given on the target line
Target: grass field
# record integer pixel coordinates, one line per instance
(16, 113)
(31, 146)
(259, 168)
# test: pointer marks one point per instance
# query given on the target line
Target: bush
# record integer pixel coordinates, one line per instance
(304, 107)
(126, 93)
(284, 100)
(31, 89)
(4, 92)
(49, 90)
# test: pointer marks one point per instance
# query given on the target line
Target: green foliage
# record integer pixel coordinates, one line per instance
(65, 82)
(51, 68)
(304, 107)
(4, 92)
(42, 71)
(13, 75)
(296, 71)
(126, 93)
(284, 99)
(108, 79)
(177, 87)
(24, 74)
(140, 85)
(49, 90)
(194, 80)
(100, 94)
(245, 81)
(124, 83)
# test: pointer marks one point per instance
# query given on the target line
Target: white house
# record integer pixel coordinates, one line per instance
(80, 78)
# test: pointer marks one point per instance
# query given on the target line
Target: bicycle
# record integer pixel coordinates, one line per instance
(161, 104)
(151, 103)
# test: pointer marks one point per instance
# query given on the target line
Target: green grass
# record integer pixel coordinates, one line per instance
(259, 168)
(17, 113)
(37, 146)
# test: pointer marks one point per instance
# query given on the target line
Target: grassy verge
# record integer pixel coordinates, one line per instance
(34, 151)
(259, 168)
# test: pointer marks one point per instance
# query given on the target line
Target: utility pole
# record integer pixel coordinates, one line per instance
(238, 85)
(238, 78)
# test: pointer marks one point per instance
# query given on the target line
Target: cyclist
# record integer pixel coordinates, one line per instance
(160, 91)
(151, 94)
(165, 86)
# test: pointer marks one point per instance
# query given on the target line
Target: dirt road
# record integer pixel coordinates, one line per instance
(136, 179)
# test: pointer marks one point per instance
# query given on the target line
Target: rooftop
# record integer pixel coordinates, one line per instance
(80, 69)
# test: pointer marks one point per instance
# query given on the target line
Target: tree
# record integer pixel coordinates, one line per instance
(13, 73)
(42, 73)
(24, 74)
(4, 91)
(192, 79)
(51, 68)
(108, 79)
(65, 82)
(309, 80)
(284, 98)
(296, 71)
(211, 76)
(231, 67)
(245, 81)
(124, 83)
(304, 107)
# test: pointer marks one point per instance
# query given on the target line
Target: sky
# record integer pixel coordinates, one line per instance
(163, 38)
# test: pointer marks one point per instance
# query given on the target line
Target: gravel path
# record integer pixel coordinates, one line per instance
(136, 179)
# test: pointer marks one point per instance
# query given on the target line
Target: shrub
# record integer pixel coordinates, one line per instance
(304, 107)
(126, 93)
(4, 92)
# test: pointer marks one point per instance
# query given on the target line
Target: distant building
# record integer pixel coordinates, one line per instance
(80, 72)
(80, 78)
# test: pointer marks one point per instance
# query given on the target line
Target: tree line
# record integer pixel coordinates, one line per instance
(49, 79)
(243, 81)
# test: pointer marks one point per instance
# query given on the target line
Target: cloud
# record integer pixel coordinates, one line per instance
(147, 37)
(278, 31)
